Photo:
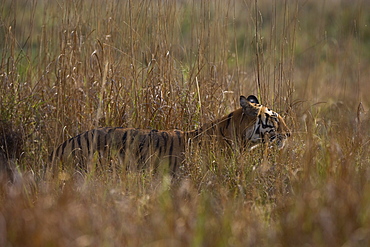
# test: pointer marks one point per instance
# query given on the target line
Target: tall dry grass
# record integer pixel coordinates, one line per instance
(70, 66)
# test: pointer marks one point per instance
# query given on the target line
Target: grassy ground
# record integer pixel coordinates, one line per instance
(69, 66)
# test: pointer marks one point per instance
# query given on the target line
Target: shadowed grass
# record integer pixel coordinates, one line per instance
(71, 66)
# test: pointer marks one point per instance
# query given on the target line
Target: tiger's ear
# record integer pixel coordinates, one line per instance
(246, 104)
(253, 99)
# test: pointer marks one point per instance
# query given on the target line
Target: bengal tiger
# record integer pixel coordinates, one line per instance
(252, 123)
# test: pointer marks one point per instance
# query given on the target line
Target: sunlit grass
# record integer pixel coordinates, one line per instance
(66, 67)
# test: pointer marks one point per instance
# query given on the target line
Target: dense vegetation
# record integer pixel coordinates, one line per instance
(69, 66)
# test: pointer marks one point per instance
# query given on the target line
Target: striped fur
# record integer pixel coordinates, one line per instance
(140, 148)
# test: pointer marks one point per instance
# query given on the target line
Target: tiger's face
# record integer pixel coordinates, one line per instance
(269, 125)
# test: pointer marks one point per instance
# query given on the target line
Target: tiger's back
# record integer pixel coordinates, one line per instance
(135, 148)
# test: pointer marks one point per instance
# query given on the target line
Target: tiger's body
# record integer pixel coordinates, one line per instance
(133, 146)
(140, 148)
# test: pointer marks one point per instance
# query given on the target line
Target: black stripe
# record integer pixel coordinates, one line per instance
(165, 138)
(79, 142)
(57, 152)
(73, 147)
(141, 144)
(141, 153)
(158, 145)
(179, 136)
(171, 148)
(98, 142)
(86, 137)
(124, 138)
(122, 150)
(222, 133)
(171, 152)
(163, 147)
(160, 150)
(229, 119)
(157, 142)
(258, 130)
(63, 147)
(262, 135)
(105, 141)
(266, 125)
(51, 156)
(173, 172)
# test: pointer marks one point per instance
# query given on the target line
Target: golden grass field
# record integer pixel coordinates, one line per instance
(70, 66)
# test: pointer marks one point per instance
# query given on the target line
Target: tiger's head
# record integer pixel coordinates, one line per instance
(268, 125)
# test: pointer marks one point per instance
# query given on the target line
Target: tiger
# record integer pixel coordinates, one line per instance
(249, 125)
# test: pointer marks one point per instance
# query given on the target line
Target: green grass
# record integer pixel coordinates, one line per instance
(66, 67)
